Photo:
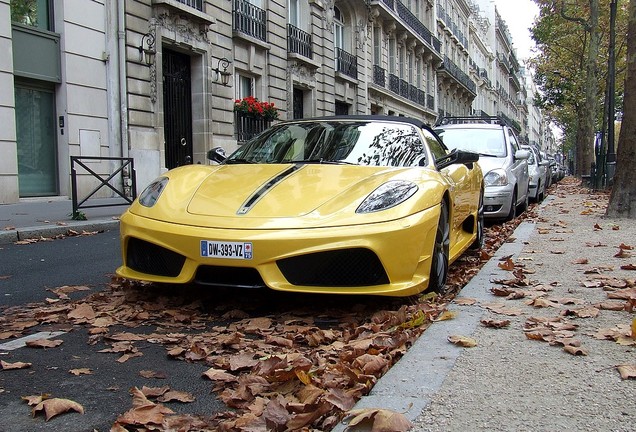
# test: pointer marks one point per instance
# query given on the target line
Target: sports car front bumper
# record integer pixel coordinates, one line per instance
(389, 258)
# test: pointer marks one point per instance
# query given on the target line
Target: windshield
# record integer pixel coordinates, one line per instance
(486, 142)
(374, 143)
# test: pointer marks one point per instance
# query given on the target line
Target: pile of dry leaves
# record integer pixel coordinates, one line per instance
(279, 362)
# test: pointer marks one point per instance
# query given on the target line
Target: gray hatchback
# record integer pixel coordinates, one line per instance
(502, 161)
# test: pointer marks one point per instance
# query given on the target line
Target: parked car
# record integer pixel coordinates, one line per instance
(554, 169)
(538, 171)
(345, 204)
(503, 162)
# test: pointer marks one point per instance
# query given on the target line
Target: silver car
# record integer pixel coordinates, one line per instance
(502, 161)
(538, 170)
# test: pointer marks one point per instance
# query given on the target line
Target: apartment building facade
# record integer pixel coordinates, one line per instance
(156, 81)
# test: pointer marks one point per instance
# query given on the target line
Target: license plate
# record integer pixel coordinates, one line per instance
(229, 250)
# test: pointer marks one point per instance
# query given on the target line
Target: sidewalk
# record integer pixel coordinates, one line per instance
(567, 269)
(48, 217)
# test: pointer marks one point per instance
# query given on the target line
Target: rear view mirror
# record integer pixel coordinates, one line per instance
(457, 157)
(217, 154)
(522, 154)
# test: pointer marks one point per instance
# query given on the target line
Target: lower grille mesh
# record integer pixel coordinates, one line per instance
(348, 267)
(149, 258)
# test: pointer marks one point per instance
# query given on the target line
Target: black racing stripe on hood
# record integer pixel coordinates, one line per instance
(256, 196)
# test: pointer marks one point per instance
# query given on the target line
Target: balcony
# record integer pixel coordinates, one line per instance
(249, 20)
(409, 20)
(346, 64)
(402, 88)
(192, 9)
(247, 127)
(299, 42)
(379, 76)
(454, 71)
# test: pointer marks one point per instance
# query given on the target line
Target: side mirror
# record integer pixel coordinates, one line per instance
(217, 154)
(522, 154)
(457, 157)
(544, 163)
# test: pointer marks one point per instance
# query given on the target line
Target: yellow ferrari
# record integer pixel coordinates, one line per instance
(372, 205)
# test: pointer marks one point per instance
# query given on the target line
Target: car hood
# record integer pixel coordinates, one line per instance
(489, 163)
(284, 195)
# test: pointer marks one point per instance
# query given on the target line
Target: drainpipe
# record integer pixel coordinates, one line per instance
(123, 87)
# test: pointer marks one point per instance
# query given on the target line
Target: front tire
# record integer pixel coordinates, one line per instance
(513, 207)
(478, 243)
(440, 256)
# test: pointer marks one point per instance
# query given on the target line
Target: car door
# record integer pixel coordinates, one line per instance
(463, 189)
(519, 169)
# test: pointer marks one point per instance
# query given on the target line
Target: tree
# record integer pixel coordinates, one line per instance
(622, 201)
(571, 68)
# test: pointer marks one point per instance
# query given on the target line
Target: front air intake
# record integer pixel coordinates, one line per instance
(339, 268)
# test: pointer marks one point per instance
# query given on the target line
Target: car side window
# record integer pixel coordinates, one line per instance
(513, 141)
(437, 148)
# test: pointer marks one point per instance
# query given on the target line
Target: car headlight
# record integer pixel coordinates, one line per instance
(496, 177)
(151, 194)
(388, 195)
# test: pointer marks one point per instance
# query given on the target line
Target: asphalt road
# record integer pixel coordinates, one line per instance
(26, 271)
(26, 274)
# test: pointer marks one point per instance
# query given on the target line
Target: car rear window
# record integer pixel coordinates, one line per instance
(486, 142)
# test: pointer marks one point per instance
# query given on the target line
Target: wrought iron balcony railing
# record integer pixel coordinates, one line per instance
(379, 76)
(250, 20)
(346, 63)
(247, 127)
(299, 42)
(196, 4)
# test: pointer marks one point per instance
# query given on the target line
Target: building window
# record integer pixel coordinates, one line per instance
(36, 13)
(392, 56)
(377, 46)
(342, 108)
(244, 86)
(294, 13)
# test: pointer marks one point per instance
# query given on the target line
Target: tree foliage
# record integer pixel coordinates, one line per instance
(571, 67)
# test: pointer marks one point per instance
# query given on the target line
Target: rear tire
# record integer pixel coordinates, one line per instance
(441, 248)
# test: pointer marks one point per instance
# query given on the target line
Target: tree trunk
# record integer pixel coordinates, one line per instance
(623, 197)
(587, 128)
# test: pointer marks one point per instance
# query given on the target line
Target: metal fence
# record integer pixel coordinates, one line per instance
(125, 174)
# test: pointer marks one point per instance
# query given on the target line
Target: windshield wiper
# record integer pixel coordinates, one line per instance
(488, 155)
(326, 162)
(238, 161)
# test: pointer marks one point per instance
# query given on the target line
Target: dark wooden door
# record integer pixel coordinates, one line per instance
(298, 103)
(177, 108)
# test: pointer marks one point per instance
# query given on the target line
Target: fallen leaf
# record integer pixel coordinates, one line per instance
(506, 265)
(446, 315)
(463, 341)
(178, 396)
(44, 343)
(17, 365)
(627, 371)
(81, 371)
(581, 261)
(55, 406)
(152, 374)
(464, 301)
(622, 254)
(628, 267)
(381, 420)
(495, 323)
(575, 350)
